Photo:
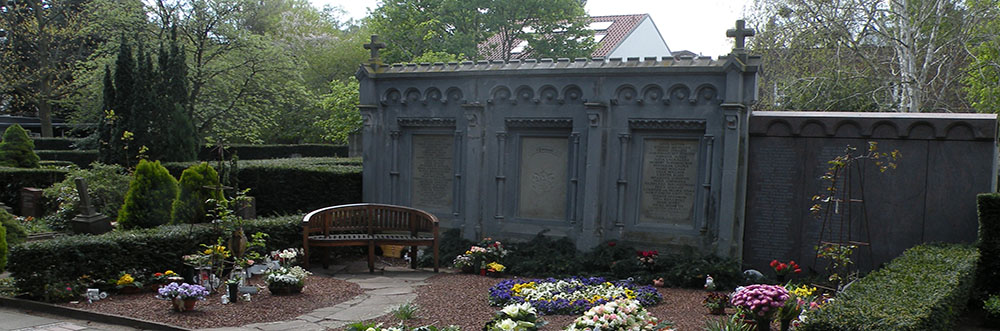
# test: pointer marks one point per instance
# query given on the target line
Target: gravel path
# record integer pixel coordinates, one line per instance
(319, 292)
(461, 299)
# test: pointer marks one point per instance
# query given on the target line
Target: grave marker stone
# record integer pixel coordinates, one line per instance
(433, 173)
(669, 177)
(89, 220)
(31, 202)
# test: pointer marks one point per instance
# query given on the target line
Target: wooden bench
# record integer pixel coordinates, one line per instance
(369, 224)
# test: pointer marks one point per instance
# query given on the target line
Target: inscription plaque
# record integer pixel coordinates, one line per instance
(433, 171)
(669, 178)
(773, 192)
(542, 188)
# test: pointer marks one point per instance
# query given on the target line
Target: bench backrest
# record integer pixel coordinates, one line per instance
(368, 218)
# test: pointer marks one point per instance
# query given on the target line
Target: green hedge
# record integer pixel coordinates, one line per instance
(989, 242)
(13, 179)
(924, 289)
(55, 143)
(261, 152)
(81, 158)
(288, 186)
(37, 263)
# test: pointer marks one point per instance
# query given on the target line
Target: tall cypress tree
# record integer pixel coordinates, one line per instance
(149, 102)
(180, 138)
(119, 104)
(105, 126)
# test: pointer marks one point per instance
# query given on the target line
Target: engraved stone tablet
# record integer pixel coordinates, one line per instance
(542, 187)
(433, 172)
(669, 177)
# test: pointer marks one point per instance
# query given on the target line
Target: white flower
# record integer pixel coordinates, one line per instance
(507, 324)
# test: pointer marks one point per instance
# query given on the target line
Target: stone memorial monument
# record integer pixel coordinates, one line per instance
(89, 220)
(647, 150)
(660, 152)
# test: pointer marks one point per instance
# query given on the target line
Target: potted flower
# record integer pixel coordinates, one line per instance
(715, 302)
(183, 296)
(162, 278)
(126, 284)
(465, 263)
(286, 280)
(494, 269)
(782, 269)
(761, 301)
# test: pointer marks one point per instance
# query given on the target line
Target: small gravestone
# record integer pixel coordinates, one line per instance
(31, 202)
(89, 220)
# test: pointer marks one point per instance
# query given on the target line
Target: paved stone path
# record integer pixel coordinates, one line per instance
(12, 319)
(384, 292)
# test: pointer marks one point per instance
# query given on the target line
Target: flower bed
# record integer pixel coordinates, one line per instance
(571, 295)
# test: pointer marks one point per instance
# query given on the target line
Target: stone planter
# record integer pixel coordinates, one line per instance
(282, 289)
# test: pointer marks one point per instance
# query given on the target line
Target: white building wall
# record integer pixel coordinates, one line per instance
(644, 41)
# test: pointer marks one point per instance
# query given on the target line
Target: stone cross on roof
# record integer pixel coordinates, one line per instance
(374, 46)
(740, 33)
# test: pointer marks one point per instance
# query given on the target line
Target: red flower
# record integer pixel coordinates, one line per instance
(611, 243)
(774, 263)
(797, 270)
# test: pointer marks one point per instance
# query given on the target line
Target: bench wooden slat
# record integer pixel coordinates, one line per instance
(368, 224)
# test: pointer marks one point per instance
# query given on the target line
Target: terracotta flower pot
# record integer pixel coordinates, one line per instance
(720, 310)
(189, 304)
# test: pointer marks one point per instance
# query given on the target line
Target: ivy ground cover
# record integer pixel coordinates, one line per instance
(570, 295)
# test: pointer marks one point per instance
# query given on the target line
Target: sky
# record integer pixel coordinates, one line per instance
(695, 25)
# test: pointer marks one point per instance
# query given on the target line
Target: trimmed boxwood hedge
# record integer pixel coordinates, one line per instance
(924, 289)
(13, 179)
(65, 259)
(286, 186)
(989, 242)
(82, 158)
(261, 152)
(55, 143)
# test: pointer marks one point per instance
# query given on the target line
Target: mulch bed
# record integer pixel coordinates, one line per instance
(461, 300)
(319, 292)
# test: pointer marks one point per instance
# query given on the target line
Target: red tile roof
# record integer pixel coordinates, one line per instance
(620, 28)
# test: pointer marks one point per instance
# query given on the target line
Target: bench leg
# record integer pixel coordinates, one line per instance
(435, 255)
(413, 257)
(305, 255)
(371, 256)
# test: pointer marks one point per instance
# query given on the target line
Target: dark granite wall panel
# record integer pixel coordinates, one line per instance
(946, 160)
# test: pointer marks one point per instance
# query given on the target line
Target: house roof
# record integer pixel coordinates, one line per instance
(608, 36)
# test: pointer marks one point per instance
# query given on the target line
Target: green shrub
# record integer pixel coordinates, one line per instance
(60, 143)
(15, 232)
(16, 149)
(261, 152)
(80, 158)
(191, 205)
(106, 185)
(3, 247)
(924, 289)
(56, 164)
(13, 179)
(992, 307)
(65, 259)
(149, 198)
(989, 242)
(560, 257)
(286, 186)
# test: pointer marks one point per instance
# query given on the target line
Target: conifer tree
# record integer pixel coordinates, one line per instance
(151, 194)
(16, 149)
(196, 187)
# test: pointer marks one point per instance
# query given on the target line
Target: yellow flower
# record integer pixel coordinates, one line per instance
(126, 279)
(803, 291)
(169, 273)
(495, 267)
